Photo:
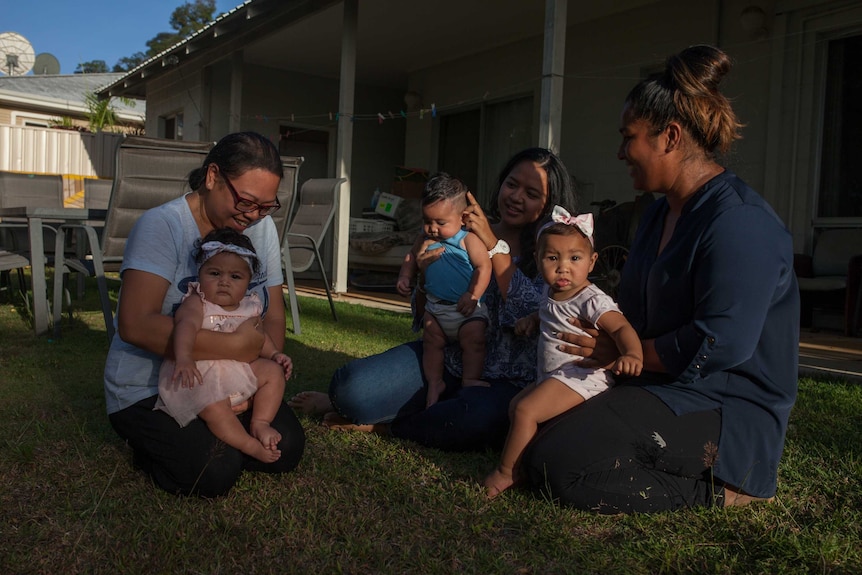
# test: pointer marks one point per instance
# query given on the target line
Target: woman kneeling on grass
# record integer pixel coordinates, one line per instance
(387, 392)
(709, 287)
(235, 188)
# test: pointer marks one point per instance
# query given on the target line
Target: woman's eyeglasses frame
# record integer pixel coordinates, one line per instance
(245, 206)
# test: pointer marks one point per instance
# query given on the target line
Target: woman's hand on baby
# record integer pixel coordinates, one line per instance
(527, 326)
(474, 219)
(467, 304)
(251, 333)
(425, 257)
(597, 348)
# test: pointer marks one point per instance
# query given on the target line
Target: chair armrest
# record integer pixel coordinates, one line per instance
(803, 265)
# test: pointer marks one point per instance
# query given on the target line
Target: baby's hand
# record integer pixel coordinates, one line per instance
(627, 365)
(527, 326)
(467, 304)
(403, 286)
(186, 374)
(285, 362)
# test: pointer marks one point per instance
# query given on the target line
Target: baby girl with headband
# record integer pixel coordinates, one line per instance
(218, 301)
(565, 255)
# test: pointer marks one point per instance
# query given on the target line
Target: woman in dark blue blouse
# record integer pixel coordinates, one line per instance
(710, 288)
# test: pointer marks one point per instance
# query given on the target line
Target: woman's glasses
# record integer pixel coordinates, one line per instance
(245, 206)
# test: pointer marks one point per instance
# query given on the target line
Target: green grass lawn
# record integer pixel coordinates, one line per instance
(71, 502)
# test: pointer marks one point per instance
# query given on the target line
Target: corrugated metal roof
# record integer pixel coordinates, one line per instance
(68, 88)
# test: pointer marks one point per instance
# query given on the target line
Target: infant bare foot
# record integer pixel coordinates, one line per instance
(265, 433)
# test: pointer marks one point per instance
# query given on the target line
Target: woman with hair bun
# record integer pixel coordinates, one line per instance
(710, 289)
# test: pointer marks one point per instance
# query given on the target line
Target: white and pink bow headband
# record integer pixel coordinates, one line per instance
(210, 249)
(583, 222)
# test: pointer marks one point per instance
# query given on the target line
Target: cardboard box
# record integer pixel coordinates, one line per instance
(387, 204)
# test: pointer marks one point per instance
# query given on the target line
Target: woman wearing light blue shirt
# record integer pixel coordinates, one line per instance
(236, 187)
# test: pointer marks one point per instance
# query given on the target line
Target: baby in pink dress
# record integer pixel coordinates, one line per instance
(209, 389)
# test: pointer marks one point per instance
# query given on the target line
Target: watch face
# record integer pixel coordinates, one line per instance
(502, 247)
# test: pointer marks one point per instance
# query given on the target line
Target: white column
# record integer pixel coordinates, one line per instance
(344, 144)
(553, 69)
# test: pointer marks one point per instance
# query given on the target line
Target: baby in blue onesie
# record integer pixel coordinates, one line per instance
(454, 284)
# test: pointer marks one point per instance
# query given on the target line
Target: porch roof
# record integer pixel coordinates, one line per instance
(394, 37)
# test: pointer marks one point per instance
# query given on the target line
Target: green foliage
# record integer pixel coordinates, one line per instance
(92, 67)
(72, 501)
(185, 20)
(127, 63)
(101, 114)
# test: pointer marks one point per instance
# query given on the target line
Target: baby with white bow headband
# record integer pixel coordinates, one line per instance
(565, 255)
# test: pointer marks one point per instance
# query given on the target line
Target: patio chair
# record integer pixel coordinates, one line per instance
(830, 279)
(281, 218)
(317, 203)
(148, 172)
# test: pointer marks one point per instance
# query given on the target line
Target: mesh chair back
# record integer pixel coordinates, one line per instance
(149, 172)
(287, 193)
(313, 216)
(30, 190)
(97, 193)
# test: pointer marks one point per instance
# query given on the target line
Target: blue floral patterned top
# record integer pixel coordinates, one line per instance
(508, 357)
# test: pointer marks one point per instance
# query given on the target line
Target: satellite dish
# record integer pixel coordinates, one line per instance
(16, 54)
(46, 64)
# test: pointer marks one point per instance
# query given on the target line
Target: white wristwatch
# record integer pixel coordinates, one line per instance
(500, 248)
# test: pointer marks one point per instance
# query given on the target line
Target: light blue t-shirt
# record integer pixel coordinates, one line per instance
(161, 243)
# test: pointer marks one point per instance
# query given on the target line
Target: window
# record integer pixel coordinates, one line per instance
(475, 144)
(171, 126)
(840, 192)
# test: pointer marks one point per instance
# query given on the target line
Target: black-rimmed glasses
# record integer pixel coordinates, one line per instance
(245, 206)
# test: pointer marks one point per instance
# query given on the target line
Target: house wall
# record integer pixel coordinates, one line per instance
(177, 91)
(271, 98)
(603, 60)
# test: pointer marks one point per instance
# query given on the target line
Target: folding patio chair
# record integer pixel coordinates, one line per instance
(281, 218)
(148, 172)
(317, 203)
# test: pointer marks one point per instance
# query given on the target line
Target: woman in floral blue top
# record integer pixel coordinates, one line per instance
(386, 393)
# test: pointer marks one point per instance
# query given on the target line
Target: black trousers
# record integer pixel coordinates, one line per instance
(625, 451)
(191, 460)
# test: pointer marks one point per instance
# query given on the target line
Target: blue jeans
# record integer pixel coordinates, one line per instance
(390, 388)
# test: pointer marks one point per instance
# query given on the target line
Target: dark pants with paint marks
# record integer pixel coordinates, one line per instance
(625, 451)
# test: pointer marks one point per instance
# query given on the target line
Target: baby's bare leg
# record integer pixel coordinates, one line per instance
(471, 336)
(433, 342)
(529, 408)
(224, 424)
(267, 400)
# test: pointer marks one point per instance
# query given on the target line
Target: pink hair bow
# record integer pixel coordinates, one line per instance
(584, 222)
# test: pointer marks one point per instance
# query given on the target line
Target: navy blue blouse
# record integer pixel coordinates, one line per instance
(722, 303)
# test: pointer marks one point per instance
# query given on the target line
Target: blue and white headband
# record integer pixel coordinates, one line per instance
(210, 249)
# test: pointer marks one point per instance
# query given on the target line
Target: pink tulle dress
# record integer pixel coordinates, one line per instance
(222, 378)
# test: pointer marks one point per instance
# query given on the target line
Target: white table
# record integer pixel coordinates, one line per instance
(36, 218)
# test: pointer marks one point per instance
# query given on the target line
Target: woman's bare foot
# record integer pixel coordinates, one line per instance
(435, 389)
(734, 497)
(334, 421)
(497, 482)
(311, 402)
